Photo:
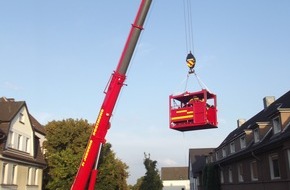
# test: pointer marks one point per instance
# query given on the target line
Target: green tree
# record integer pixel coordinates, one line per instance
(65, 145)
(112, 171)
(137, 186)
(151, 179)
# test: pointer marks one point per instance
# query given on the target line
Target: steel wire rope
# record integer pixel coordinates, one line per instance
(190, 49)
(202, 84)
(188, 25)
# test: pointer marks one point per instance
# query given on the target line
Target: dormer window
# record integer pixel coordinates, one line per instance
(256, 135)
(243, 142)
(224, 152)
(232, 147)
(217, 156)
(276, 125)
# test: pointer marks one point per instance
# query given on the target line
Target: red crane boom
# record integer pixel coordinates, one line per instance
(97, 139)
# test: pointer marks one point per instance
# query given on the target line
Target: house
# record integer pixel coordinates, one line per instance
(197, 162)
(175, 178)
(21, 136)
(256, 155)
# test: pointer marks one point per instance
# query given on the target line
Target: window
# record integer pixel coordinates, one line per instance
(224, 152)
(254, 171)
(274, 166)
(14, 174)
(21, 118)
(217, 156)
(243, 142)
(232, 147)
(197, 181)
(276, 125)
(256, 135)
(32, 176)
(11, 139)
(240, 173)
(222, 176)
(230, 175)
(5, 173)
(9, 174)
(19, 142)
(27, 144)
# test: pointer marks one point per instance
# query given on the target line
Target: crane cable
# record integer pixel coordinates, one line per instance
(190, 59)
(201, 84)
(188, 26)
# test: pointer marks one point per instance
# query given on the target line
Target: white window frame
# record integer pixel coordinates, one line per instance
(224, 153)
(9, 174)
(21, 118)
(240, 172)
(256, 135)
(5, 173)
(217, 155)
(243, 142)
(276, 125)
(32, 178)
(254, 170)
(273, 167)
(232, 147)
(230, 175)
(222, 176)
(11, 137)
(197, 181)
(14, 174)
(27, 144)
(19, 142)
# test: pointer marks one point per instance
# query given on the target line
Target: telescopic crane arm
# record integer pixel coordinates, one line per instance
(87, 170)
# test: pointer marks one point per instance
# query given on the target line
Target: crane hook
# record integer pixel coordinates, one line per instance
(190, 61)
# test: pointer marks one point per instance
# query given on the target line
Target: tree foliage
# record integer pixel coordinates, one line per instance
(137, 186)
(210, 178)
(65, 145)
(151, 180)
(112, 171)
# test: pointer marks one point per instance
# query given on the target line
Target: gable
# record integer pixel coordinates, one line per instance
(20, 134)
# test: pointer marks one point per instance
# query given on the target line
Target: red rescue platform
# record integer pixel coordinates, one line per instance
(193, 111)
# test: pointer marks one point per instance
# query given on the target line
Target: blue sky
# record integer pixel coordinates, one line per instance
(58, 57)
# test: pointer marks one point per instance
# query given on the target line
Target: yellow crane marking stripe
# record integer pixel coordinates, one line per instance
(182, 117)
(181, 111)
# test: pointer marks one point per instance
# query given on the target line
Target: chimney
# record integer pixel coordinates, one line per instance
(240, 122)
(268, 100)
(4, 99)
